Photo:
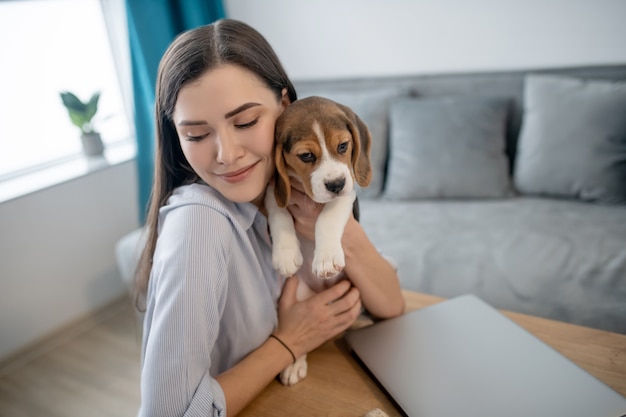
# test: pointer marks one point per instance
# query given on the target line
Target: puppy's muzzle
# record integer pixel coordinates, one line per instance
(335, 186)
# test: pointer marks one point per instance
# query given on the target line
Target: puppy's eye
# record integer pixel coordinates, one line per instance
(342, 148)
(307, 157)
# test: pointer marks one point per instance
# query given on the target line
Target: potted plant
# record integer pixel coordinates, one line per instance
(81, 115)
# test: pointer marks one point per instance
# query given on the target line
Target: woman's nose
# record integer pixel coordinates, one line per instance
(228, 150)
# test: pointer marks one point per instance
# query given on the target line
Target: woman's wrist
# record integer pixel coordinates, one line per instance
(244, 381)
(293, 356)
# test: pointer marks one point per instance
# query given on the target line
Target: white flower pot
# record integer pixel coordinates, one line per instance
(92, 144)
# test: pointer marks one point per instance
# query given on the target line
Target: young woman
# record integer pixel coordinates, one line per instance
(212, 298)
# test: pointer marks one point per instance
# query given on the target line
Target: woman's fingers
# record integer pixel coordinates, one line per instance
(348, 317)
(297, 185)
(346, 303)
(306, 325)
(305, 212)
(302, 201)
(334, 293)
(297, 197)
(340, 299)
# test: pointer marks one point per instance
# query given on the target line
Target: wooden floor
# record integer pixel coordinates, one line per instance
(93, 371)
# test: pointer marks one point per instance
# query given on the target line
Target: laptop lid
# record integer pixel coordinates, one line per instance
(462, 357)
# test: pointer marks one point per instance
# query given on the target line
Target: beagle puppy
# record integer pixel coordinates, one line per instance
(326, 147)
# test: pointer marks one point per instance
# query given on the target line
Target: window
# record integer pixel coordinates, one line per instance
(49, 46)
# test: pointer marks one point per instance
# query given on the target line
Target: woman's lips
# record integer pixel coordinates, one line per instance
(239, 175)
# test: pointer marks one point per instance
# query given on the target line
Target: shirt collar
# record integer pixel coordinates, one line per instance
(247, 213)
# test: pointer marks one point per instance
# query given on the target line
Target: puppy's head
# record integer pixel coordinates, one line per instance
(325, 146)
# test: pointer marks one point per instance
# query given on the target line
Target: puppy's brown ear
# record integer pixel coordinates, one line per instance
(361, 147)
(282, 185)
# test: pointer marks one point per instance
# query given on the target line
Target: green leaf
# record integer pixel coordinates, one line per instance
(92, 106)
(72, 102)
(77, 118)
(81, 113)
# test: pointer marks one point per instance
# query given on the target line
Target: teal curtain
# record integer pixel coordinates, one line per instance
(152, 25)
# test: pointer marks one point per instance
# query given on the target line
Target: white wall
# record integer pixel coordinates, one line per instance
(57, 260)
(349, 38)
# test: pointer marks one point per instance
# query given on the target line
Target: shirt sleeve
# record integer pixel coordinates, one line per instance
(188, 289)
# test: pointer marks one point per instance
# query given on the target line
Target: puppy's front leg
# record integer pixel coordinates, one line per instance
(328, 258)
(297, 371)
(286, 254)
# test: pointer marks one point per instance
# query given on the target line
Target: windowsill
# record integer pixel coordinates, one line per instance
(114, 154)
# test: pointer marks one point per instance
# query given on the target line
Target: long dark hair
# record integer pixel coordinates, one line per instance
(189, 56)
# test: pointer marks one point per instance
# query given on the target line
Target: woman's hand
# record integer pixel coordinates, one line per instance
(304, 211)
(305, 325)
(302, 326)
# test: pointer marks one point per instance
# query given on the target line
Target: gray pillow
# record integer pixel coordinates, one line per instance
(372, 106)
(573, 139)
(452, 147)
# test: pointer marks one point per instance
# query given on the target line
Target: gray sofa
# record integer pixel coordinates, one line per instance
(506, 185)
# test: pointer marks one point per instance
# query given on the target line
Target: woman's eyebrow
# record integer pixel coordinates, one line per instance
(239, 109)
(228, 115)
(191, 123)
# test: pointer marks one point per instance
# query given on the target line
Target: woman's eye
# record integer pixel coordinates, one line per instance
(191, 138)
(342, 148)
(247, 125)
(307, 157)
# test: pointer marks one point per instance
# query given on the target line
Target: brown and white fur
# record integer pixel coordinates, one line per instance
(325, 146)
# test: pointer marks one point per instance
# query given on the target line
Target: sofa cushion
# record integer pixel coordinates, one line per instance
(556, 258)
(451, 147)
(372, 107)
(573, 139)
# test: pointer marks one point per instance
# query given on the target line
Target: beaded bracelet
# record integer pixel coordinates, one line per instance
(285, 345)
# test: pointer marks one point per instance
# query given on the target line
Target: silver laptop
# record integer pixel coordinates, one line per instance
(462, 357)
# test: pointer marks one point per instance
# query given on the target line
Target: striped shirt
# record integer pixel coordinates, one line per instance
(211, 300)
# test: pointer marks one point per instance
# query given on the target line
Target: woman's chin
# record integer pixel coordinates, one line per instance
(244, 196)
(250, 190)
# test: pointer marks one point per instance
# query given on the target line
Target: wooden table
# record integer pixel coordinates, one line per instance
(337, 386)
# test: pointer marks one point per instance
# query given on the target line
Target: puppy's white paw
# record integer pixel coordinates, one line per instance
(295, 372)
(376, 412)
(328, 261)
(287, 259)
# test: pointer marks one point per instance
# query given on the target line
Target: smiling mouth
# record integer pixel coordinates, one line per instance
(239, 175)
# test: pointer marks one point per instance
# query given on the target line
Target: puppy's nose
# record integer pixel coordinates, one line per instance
(336, 186)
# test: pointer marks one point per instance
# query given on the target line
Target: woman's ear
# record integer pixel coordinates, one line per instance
(282, 184)
(285, 100)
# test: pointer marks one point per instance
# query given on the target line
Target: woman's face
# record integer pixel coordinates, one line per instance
(225, 124)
